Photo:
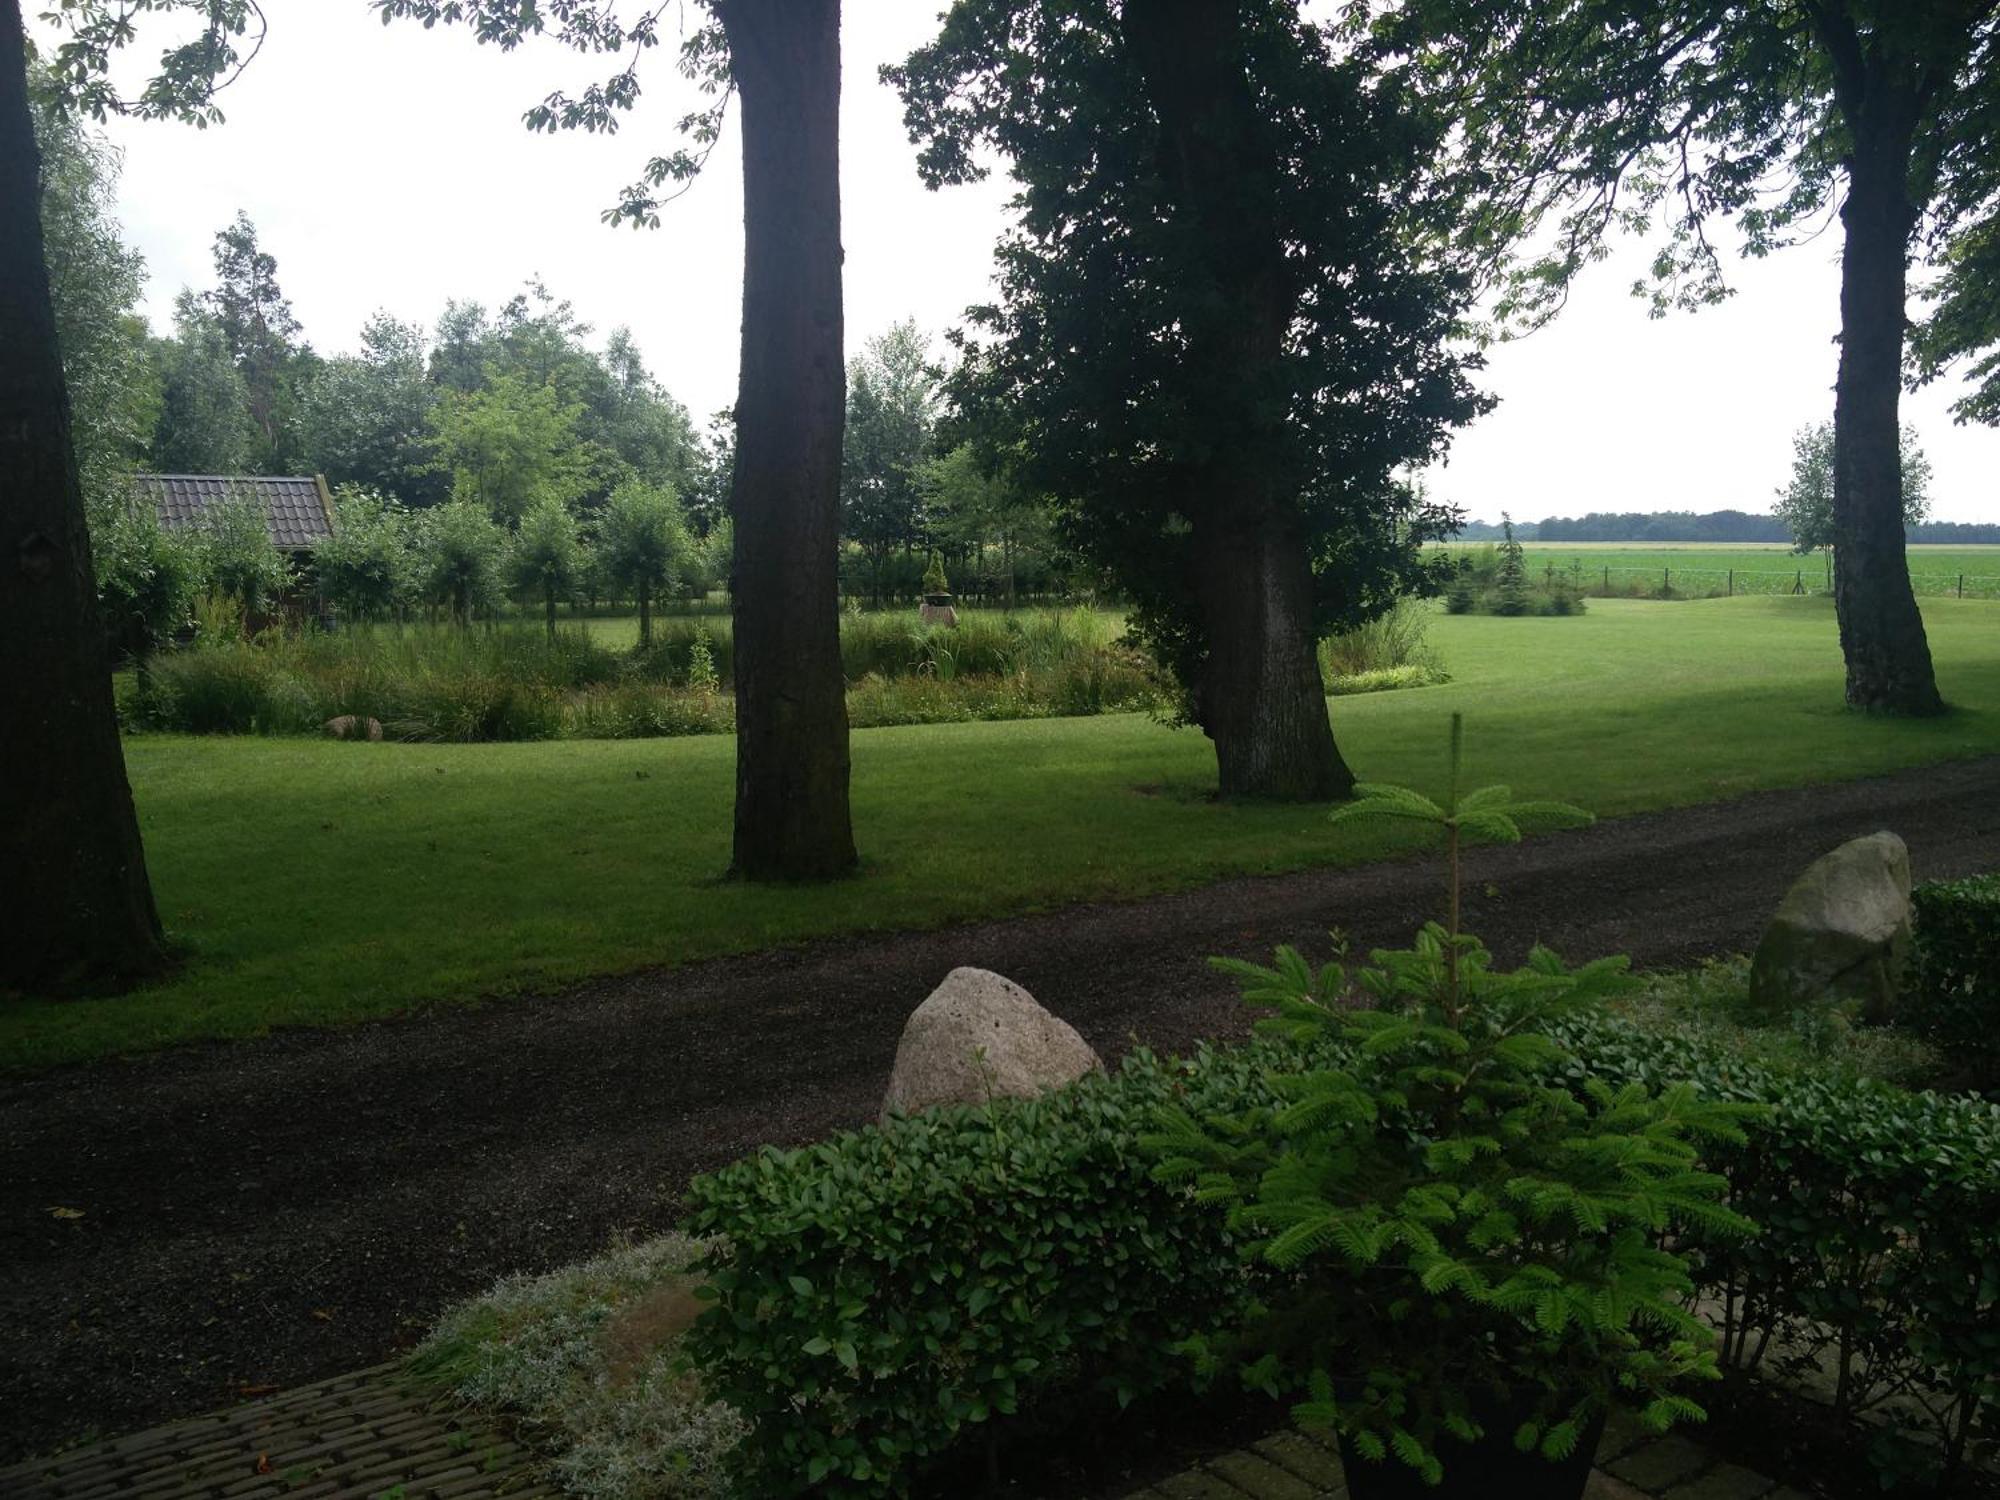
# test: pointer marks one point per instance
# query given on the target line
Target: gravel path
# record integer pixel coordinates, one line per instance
(265, 1213)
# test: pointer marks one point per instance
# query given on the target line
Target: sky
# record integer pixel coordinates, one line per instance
(387, 167)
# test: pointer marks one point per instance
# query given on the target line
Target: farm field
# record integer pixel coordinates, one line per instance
(1760, 567)
(314, 882)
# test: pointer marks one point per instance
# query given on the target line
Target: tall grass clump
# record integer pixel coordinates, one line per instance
(1390, 651)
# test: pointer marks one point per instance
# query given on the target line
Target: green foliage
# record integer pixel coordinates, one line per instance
(368, 568)
(1456, 1229)
(366, 419)
(1875, 1253)
(147, 578)
(891, 411)
(511, 446)
(935, 581)
(1092, 370)
(1952, 989)
(643, 544)
(1396, 638)
(238, 558)
(94, 284)
(893, 1292)
(547, 560)
(1510, 582)
(462, 555)
(1805, 504)
(204, 422)
(253, 321)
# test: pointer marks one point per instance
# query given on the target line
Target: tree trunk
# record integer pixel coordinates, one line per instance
(792, 820)
(1259, 697)
(1881, 632)
(549, 616)
(81, 911)
(645, 613)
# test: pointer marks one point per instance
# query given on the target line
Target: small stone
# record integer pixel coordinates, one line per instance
(351, 727)
(978, 1037)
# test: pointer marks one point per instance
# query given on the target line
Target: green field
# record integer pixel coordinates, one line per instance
(316, 882)
(1760, 567)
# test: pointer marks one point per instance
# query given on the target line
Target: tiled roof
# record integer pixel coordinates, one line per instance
(297, 508)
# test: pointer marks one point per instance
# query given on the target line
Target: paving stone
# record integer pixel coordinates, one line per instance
(1660, 1462)
(1723, 1482)
(1258, 1477)
(1623, 1432)
(1603, 1487)
(1198, 1484)
(1316, 1464)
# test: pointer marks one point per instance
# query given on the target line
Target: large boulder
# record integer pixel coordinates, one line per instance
(978, 1037)
(1841, 934)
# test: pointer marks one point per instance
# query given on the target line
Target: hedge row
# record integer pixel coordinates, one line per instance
(889, 1293)
(1877, 1262)
(1952, 995)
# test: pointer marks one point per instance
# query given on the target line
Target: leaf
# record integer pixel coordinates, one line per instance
(65, 1213)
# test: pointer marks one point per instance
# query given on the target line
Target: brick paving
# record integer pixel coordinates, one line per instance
(369, 1436)
(1632, 1464)
(364, 1436)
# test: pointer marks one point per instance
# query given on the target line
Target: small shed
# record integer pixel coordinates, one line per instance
(297, 509)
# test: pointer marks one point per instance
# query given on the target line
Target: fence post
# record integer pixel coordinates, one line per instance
(1799, 582)
(1732, 583)
(1961, 585)
(1607, 578)
(1666, 582)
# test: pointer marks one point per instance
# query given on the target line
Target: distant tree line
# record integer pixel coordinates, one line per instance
(1709, 526)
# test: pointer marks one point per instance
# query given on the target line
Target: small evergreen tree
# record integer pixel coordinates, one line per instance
(1510, 584)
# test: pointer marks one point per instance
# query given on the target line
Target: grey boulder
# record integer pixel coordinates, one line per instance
(1841, 934)
(979, 1037)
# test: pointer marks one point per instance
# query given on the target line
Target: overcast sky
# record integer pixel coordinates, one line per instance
(387, 167)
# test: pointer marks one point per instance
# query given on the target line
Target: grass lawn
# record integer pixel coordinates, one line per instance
(315, 882)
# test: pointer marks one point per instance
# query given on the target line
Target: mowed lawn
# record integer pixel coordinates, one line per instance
(315, 882)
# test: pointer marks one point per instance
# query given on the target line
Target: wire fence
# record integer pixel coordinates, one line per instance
(1607, 582)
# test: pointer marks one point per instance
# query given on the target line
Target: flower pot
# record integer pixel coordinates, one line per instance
(1489, 1469)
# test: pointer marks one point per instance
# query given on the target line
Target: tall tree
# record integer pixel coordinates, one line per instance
(510, 445)
(1606, 113)
(1218, 334)
(366, 418)
(203, 425)
(80, 910)
(891, 414)
(254, 319)
(792, 818)
(782, 59)
(1805, 504)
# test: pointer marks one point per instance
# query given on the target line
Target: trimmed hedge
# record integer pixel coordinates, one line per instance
(1877, 1259)
(893, 1291)
(890, 1295)
(1952, 993)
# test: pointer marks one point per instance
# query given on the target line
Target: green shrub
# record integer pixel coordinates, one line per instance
(1396, 638)
(892, 1292)
(1952, 989)
(1878, 1251)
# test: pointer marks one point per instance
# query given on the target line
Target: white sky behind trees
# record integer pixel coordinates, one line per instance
(388, 167)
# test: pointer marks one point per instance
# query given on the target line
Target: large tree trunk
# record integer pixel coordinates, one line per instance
(1881, 633)
(79, 912)
(1259, 697)
(792, 818)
